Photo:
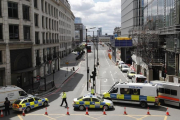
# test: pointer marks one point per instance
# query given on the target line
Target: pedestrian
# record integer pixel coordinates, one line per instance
(64, 99)
(92, 91)
(7, 104)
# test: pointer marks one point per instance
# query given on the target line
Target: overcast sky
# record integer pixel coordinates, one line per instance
(98, 13)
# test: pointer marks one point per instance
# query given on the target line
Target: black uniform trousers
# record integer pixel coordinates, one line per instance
(7, 111)
(64, 100)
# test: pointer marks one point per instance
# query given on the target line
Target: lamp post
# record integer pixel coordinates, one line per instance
(87, 58)
(53, 73)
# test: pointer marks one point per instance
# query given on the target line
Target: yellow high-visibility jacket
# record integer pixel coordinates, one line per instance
(64, 95)
(92, 91)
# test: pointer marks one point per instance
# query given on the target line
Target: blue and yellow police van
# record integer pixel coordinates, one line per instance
(134, 93)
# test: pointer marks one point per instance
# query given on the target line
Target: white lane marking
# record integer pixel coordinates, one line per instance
(115, 73)
(120, 80)
(111, 75)
(106, 85)
(106, 59)
(123, 75)
(105, 80)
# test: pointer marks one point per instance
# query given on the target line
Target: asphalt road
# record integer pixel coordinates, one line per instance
(76, 86)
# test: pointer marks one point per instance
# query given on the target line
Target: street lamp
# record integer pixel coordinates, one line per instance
(87, 57)
(53, 73)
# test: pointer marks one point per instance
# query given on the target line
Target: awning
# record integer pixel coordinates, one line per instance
(25, 70)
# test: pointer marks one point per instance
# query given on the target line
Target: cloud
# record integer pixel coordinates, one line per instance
(105, 14)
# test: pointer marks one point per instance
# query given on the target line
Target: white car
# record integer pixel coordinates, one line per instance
(120, 64)
(124, 68)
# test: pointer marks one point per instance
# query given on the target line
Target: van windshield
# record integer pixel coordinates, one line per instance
(141, 80)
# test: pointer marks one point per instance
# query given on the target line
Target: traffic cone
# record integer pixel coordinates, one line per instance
(2, 114)
(67, 111)
(87, 111)
(104, 111)
(148, 113)
(167, 113)
(46, 111)
(23, 113)
(125, 111)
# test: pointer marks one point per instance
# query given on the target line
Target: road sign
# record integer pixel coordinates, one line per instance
(37, 77)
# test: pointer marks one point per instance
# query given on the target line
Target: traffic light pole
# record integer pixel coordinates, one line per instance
(87, 61)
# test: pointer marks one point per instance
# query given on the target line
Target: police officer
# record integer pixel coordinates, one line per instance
(64, 99)
(92, 91)
(7, 104)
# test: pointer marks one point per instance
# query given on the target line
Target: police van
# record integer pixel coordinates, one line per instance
(136, 93)
(12, 93)
(169, 93)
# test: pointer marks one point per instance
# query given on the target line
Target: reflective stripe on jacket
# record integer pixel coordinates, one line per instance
(92, 91)
(64, 95)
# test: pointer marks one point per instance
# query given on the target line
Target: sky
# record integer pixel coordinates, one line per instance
(98, 13)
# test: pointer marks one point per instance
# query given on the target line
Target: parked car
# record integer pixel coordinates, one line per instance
(138, 78)
(124, 68)
(130, 74)
(120, 64)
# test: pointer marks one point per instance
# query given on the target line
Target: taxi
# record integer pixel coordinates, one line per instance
(130, 74)
(92, 101)
(29, 103)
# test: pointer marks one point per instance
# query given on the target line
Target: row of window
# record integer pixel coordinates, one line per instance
(52, 23)
(168, 91)
(126, 91)
(64, 24)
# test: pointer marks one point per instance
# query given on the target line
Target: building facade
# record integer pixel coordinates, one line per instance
(35, 35)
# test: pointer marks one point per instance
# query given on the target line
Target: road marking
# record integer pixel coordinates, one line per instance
(49, 117)
(105, 80)
(111, 75)
(120, 80)
(83, 90)
(115, 73)
(90, 117)
(106, 85)
(19, 116)
(106, 59)
(165, 118)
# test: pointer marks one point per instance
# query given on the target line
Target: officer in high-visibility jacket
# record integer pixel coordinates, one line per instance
(64, 99)
(92, 91)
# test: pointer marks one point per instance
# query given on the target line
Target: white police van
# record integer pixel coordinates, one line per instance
(133, 93)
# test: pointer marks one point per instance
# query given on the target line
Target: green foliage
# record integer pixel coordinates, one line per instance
(79, 48)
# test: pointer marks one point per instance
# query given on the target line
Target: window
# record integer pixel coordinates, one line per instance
(25, 12)
(0, 9)
(174, 92)
(125, 91)
(12, 10)
(37, 37)
(86, 99)
(42, 21)
(36, 19)
(42, 5)
(136, 92)
(31, 100)
(26, 32)
(13, 32)
(1, 34)
(45, 7)
(167, 91)
(0, 57)
(17, 101)
(49, 24)
(95, 100)
(35, 4)
(114, 90)
(161, 90)
(36, 99)
(22, 93)
(25, 101)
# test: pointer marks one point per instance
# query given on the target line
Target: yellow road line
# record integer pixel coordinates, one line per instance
(19, 116)
(49, 117)
(165, 118)
(90, 117)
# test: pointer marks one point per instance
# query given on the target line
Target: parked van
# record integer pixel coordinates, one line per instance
(12, 93)
(136, 93)
(138, 78)
(169, 93)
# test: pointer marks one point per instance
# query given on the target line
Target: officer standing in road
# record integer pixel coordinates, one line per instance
(64, 99)
(7, 104)
(92, 91)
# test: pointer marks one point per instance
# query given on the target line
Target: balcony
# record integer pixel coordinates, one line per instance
(44, 58)
(49, 57)
(38, 61)
(44, 41)
(50, 41)
(37, 42)
(53, 41)
(47, 41)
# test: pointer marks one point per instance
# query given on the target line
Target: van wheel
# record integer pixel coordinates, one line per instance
(161, 102)
(143, 104)
(81, 107)
(106, 107)
(28, 109)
